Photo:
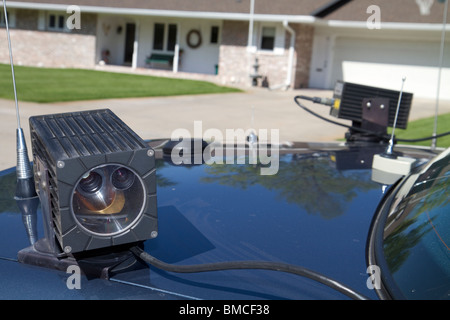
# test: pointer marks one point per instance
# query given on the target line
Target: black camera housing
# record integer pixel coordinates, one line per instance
(351, 100)
(68, 148)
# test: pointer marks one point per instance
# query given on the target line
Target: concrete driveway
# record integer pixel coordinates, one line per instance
(160, 117)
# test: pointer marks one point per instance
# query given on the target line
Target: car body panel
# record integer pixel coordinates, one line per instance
(316, 212)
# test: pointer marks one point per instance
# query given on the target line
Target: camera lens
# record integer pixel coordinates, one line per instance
(91, 183)
(122, 178)
(108, 199)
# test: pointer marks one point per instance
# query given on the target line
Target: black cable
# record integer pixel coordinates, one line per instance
(383, 136)
(237, 265)
(305, 98)
(324, 101)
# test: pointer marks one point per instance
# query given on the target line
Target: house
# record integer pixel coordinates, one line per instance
(285, 43)
(349, 45)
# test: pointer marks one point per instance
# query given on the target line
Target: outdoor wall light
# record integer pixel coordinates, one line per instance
(96, 182)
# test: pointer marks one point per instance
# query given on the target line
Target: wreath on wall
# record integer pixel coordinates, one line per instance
(194, 39)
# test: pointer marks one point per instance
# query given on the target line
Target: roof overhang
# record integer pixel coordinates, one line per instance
(306, 19)
(383, 25)
(168, 13)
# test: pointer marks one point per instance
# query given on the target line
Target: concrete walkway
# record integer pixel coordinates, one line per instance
(159, 117)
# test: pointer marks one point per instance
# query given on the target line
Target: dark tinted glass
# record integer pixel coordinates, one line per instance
(416, 243)
(172, 37)
(158, 36)
(268, 38)
(214, 34)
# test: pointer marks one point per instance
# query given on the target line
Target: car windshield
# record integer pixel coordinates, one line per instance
(416, 235)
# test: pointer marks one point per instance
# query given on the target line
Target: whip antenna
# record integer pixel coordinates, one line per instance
(441, 60)
(390, 148)
(25, 182)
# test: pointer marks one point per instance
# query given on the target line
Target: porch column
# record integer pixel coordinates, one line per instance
(135, 46)
(250, 26)
(291, 53)
(176, 56)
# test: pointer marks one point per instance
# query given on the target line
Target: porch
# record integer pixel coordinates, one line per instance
(159, 43)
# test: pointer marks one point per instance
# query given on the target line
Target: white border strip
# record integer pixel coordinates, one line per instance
(166, 13)
(384, 25)
(306, 19)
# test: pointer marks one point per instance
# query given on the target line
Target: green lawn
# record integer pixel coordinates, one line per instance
(54, 85)
(424, 128)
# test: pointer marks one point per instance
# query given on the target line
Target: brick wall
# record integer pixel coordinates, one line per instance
(49, 49)
(233, 57)
(236, 63)
(33, 47)
(26, 19)
(303, 47)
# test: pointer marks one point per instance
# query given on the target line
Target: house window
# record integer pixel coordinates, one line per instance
(159, 37)
(214, 35)
(172, 37)
(268, 38)
(2, 18)
(56, 22)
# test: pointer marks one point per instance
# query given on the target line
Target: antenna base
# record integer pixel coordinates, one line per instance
(25, 181)
(25, 189)
(397, 165)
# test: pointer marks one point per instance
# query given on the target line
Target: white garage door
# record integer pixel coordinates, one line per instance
(383, 63)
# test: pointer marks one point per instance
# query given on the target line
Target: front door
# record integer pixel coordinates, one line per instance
(320, 63)
(130, 34)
